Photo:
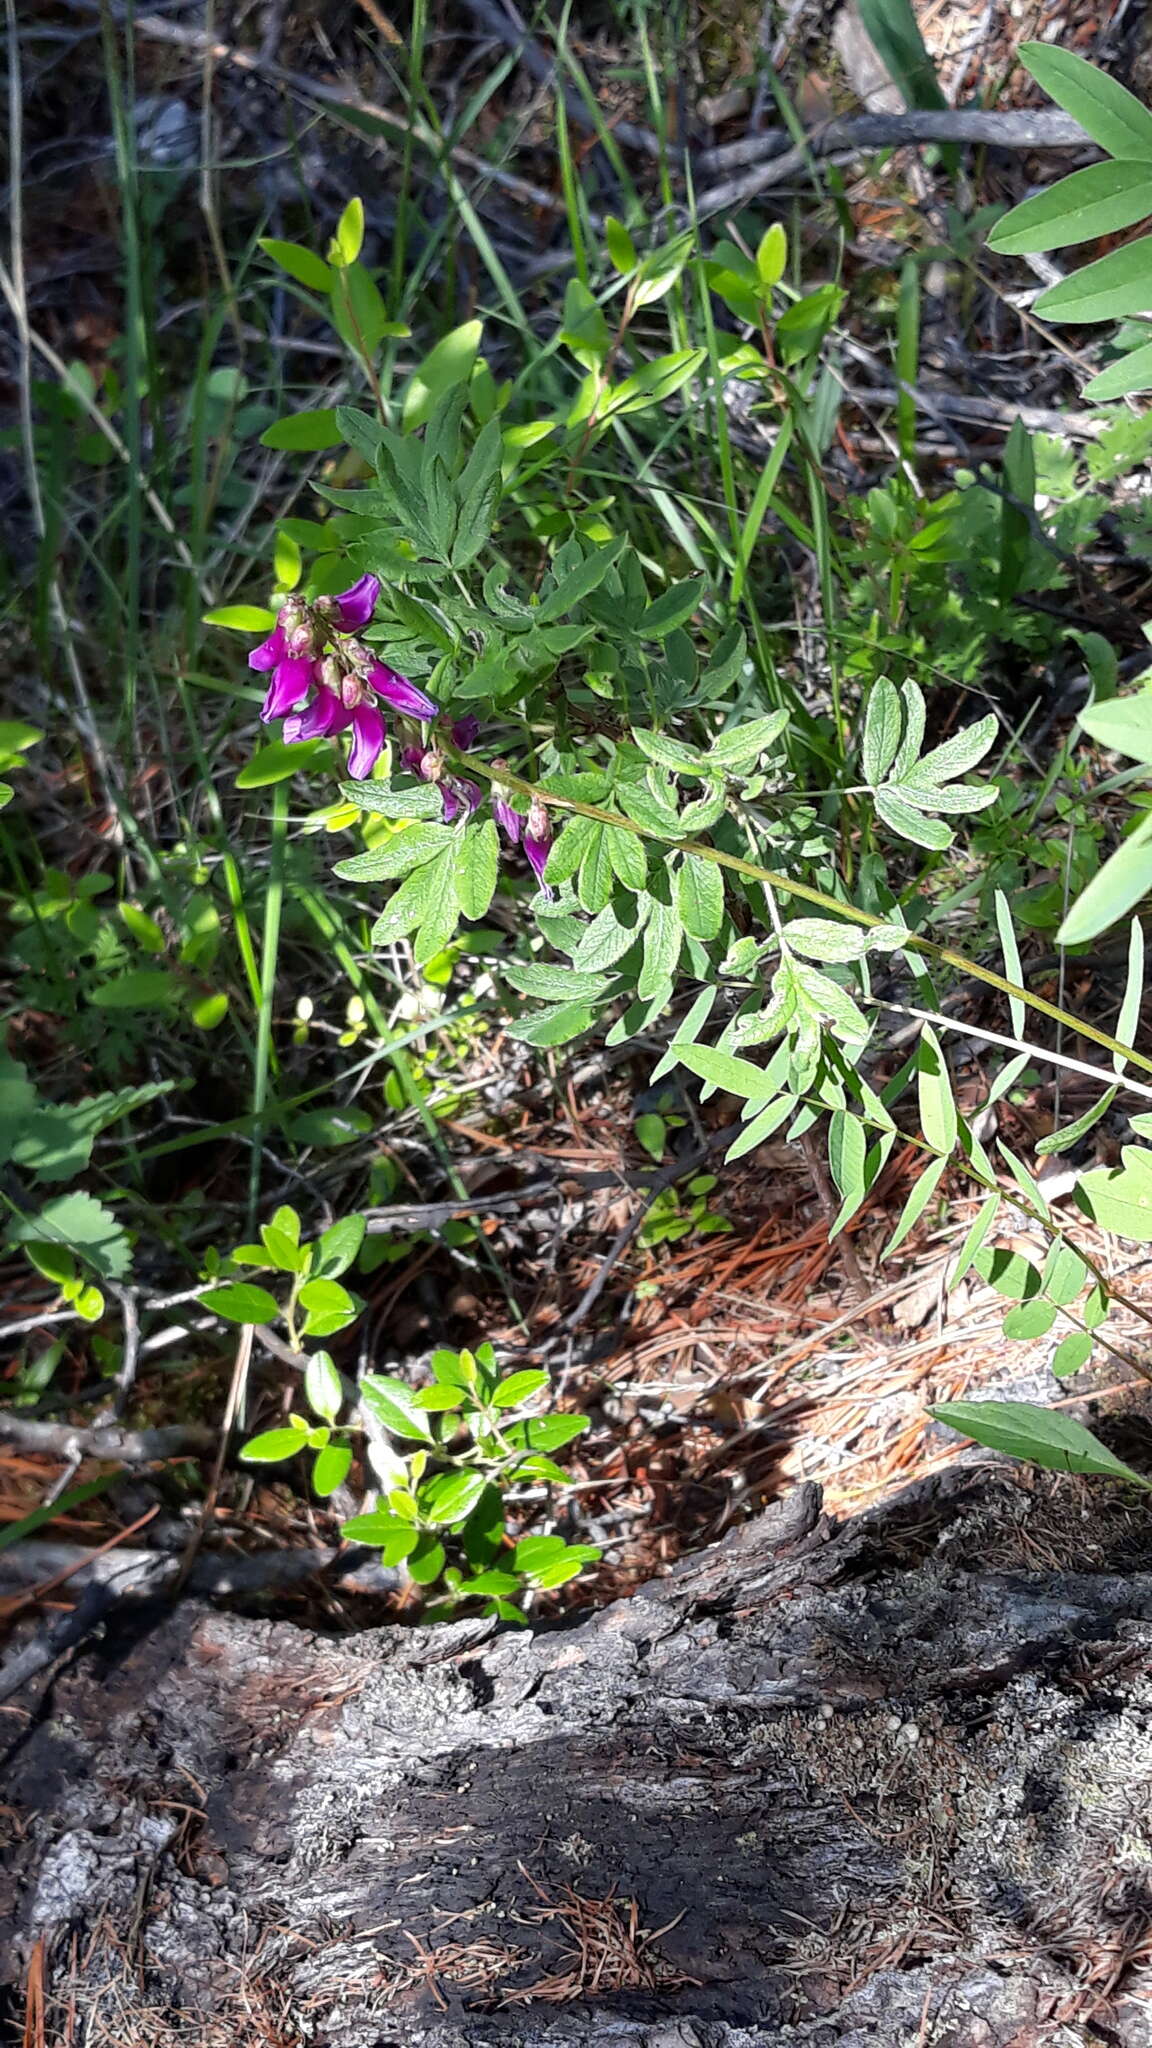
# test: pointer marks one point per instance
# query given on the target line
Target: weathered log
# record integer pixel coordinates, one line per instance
(885, 1783)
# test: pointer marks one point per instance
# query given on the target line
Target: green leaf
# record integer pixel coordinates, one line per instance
(300, 263)
(399, 855)
(1064, 1275)
(937, 1108)
(427, 889)
(551, 1432)
(847, 1157)
(393, 1538)
(699, 898)
(329, 1307)
(578, 582)
(1063, 1140)
(820, 938)
(626, 854)
(1112, 893)
(1072, 1352)
(1031, 1319)
(1128, 1022)
(551, 983)
(1124, 724)
(450, 1497)
(393, 1404)
(911, 824)
(917, 1202)
(273, 1446)
(1010, 1273)
(743, 744)
(652, 1132)
(309, 431)
(672, 609)
(1110, 114)
(1109, 289)
(978, 1231)
(338, 1247)
(663, 937)
(725, 1070)
(331, 1469)
(554, 1027)
(322, 1389)
(423, 801)
(1043, 1436)
(445, 368)
(242, 1302)
(241, 618)
(349, 237)
(652, 385)
(956, 756)
(621, 247)
(1132, 373)
(1119, 1198)
(606, 940)
(82, 1223)
(518, 1387)
(144, 988)
(595, 881)
(277, 761)
(883, 725)
(669, 753)
(1092, 202)
(477, 865)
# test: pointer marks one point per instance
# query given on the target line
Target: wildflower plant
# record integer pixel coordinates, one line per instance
(700, 838)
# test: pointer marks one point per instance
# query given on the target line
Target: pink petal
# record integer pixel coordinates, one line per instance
(269, 652)
(290, 685)
(402, 695)
(356, 605)
(368, 731)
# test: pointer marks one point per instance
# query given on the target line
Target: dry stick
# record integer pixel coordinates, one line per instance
(231, 1410)
(1042, 130)
(106, 1441)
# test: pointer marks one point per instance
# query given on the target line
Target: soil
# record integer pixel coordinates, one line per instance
(879, 1782)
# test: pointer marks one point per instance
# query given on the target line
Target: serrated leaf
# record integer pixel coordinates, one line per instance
(746, 743)
(397, 856)
(820, 938)
(700, 897)
(80, 1222)
(663, 937)
(626, 853)
(1042, 1436)
(477, 866)
(554, 1027)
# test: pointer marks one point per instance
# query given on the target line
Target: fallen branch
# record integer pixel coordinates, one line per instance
(107, 1441)
(880, 131)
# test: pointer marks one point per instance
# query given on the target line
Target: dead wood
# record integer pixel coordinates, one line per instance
(884, 1783)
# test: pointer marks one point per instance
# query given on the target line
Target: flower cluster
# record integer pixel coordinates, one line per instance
(460, 795)
(324, 680)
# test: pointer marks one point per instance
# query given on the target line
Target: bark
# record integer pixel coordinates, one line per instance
(882, 1785)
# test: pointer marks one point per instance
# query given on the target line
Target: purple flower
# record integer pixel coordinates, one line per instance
(325, 715)
(412, 759)
(538, 842)
(466, 732)
(354, 607)
(292, 679)
(509, 821)
(402, 695)
(269, 652)
(460, 795)
(368, 731)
